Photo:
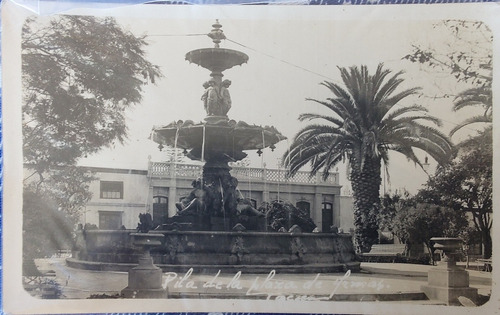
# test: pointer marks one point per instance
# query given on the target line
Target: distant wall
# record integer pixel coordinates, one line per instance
(134, 201)
(346, 213)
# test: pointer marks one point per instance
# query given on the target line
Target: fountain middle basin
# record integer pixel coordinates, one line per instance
(219, 137)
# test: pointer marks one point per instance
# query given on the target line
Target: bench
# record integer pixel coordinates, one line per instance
(31, 273)
(384, 252)
(486, 264)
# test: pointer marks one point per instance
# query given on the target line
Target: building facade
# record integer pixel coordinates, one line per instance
(120, 195)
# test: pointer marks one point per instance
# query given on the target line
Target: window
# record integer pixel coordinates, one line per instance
(160, 199)
(160, 210)
(111, 190)
(304, 206)
(110, 220)
(327, 206)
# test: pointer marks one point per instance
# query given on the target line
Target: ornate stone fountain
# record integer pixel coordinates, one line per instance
(213, 229)
(216, 141)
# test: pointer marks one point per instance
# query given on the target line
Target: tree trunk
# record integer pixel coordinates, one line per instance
(487, 243)
(366, 193)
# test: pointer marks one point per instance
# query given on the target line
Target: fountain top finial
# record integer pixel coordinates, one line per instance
(216, 34)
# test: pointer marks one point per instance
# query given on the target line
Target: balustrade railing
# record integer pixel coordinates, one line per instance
(161, 169)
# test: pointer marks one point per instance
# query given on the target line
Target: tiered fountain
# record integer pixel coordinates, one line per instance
(214, 229)
(216, 141)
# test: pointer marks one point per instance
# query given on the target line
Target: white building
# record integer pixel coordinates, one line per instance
(120, 195)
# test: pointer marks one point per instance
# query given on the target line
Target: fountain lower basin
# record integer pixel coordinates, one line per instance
(209, 251)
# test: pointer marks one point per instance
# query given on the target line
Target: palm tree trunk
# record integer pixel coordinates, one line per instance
(366, 193)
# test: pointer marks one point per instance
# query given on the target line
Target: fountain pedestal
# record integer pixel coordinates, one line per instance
(145, 280)
(447, 281)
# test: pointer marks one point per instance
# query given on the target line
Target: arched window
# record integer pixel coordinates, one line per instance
(160, 210)
(304, 206)
(326, 216)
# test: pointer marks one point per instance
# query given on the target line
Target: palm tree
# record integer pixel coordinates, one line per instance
(365, 124)
(477, 96)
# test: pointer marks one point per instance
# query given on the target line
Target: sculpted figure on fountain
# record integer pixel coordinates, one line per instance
(225, 97)
(210, 98)
(216, 98)
(195, 203)
(244, 207)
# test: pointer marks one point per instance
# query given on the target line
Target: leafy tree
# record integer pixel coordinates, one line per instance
(367, 121)
(466, 185)
(466, 54)
(417, 223)
(389, 208)
(80, 74)
(45, 227)
(67, 187)
(464, 51)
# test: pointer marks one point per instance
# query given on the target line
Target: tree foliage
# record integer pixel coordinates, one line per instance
(67, 187)
(45, 227)
(367, 120)
(80, 74)
(465, 52)
(475, 97)
(466, 185)
(390, 204)
(417, 223)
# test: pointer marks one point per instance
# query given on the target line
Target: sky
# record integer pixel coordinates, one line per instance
(289, 56)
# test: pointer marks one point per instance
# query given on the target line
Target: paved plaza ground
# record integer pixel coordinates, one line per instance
(375, 279)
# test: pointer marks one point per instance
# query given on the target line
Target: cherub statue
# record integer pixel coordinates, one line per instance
(204, 97)
(210, 98)
(225, 97)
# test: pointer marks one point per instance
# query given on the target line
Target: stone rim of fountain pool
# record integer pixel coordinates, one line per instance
(208, 251)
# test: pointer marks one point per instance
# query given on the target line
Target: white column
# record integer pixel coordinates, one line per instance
(336, 211)
(316, 209)
(265, 191)
(172, 199)
(172, 190)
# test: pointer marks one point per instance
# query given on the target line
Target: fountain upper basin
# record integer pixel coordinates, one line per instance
(217, 59)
